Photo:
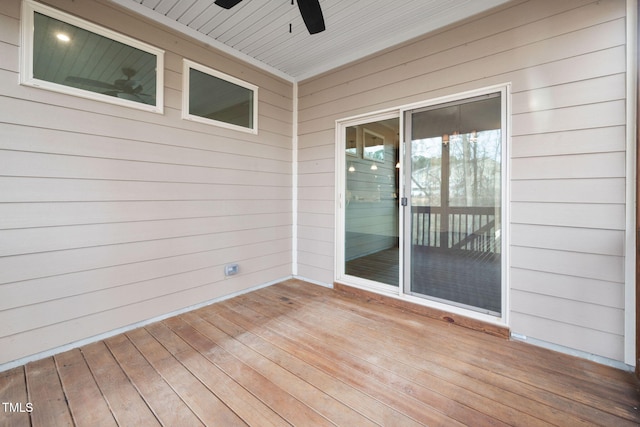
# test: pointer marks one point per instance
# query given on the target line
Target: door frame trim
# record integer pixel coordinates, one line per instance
(340, 181)
(632, 250)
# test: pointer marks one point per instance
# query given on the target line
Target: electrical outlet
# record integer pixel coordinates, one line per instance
(231, 269)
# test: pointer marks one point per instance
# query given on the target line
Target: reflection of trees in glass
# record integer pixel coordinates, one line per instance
(426, 165)
(375, 153)
(373, 145)
(474, 171)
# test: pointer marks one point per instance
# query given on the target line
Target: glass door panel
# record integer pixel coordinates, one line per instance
(454, 215)
(371, 201)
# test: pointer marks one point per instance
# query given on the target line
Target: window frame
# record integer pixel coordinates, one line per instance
(186, 115)
(30, 8)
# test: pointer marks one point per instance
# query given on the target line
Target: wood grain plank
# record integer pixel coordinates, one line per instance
(440, 395)
(13, 389)
(246, 407)
(45, 392)
(517, 351)
(202, 401)
(124, 400)
(572, 385)
(466, 322)
(299, 354)
(86, 402)
(367, 405)
(408, 360)
(410, 406)
(206, 341)
(161, 398)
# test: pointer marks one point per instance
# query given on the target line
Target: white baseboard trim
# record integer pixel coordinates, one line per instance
(572, 352)
(100, 337)
(314, 282)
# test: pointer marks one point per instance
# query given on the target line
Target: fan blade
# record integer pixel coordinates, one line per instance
(128, 86)
(312, 15)
(90, 82)
(227, 4)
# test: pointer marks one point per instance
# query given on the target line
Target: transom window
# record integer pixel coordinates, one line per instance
(210, 96)
(66, 54)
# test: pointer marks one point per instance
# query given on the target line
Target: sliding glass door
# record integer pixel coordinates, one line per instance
(453, 182)
(371, 214)
(421, 203)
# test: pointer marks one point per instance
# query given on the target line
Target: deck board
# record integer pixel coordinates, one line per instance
(512, 366)
(407, 373)
(421, 403)
(13, 389)
(127, 404)
(299, 354)
(241, 407)
(44, 387)
(81, 391)
(165, 402)
(212, 343)
(354, 379)
(202, 401)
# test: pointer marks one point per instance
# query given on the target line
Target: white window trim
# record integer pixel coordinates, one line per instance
(29, 8)
(187, 65)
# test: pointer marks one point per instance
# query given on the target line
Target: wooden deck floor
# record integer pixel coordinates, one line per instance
(299, 354)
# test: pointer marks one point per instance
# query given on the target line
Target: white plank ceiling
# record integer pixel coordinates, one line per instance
(258, 30)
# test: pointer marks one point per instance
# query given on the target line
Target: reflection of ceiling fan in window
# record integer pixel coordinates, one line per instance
(121, 88)
(309, 9)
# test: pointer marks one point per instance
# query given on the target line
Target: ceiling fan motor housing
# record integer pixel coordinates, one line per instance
(309, 9)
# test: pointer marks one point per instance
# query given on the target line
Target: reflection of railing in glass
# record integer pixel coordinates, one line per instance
(455, 190)
(470, 229)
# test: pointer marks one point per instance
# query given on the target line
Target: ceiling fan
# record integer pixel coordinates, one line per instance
(309, 9)
(122, 88)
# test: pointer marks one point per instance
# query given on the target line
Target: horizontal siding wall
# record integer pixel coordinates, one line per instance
(110, 216)
(566, 65)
